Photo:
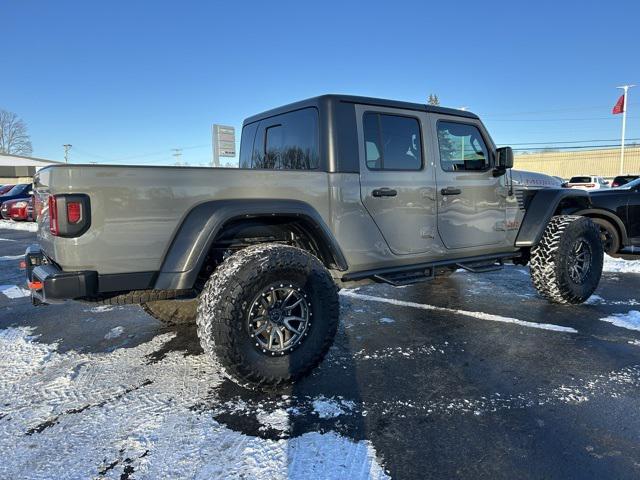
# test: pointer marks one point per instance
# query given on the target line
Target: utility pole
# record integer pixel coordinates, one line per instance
(625, 88)
(177, 152)
(67, 147)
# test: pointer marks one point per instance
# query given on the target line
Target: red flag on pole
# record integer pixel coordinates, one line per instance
(619, 106)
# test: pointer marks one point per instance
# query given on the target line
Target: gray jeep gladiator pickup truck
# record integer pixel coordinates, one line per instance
(331, 191)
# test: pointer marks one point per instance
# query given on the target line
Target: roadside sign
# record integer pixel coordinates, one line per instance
(224, 142)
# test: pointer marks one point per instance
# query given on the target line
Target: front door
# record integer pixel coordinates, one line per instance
(471, 201)
(396, 185)
(633, 215)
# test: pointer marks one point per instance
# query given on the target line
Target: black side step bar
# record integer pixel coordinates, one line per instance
(400, 279)
(497, 264)
(408, 274)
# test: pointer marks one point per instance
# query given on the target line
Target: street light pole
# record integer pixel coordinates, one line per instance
(66, 146)
(625, 88)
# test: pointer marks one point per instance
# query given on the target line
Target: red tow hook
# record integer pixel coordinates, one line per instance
(34, 285)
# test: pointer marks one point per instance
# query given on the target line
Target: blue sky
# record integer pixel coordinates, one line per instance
(127, 81)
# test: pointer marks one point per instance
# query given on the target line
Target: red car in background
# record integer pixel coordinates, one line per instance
(19, 209)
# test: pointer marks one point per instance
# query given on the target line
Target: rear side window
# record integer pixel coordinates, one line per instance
(246, 144)
(462, 147)
(392, 142)
(284, 142)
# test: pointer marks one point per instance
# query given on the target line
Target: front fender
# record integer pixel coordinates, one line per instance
(612, 217)
(544, 205)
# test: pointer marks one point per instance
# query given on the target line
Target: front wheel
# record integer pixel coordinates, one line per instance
(566, 265)
(609, 236)
(268, 315)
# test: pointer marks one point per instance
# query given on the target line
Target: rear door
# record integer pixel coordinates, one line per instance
(471, 201)
(397, 185)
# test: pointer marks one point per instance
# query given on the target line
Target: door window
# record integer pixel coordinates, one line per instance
(461, 147)
(392, 142)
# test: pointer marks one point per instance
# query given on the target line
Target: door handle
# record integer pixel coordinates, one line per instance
(451, 191)
(384, 192)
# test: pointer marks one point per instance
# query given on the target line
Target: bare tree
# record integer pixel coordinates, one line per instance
(14, 139)
(433, 99)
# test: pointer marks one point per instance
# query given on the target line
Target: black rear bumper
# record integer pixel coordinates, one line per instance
(49, 284)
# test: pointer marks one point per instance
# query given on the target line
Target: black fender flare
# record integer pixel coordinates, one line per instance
(598, 212)
(193, 239)
(542, 207)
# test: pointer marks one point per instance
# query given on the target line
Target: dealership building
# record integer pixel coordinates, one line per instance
(17, 169)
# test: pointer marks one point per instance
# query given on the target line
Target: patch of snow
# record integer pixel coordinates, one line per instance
(14, 291)
(114, 333)
(73, 414)
(594, 300)
(620, 265)
(479, 315)
(278, 419)
(387, 320)
(23, 226)
(630, 321)
(634, 342)
(101, 309)
(6, 240)
(330, 408)
(400, 352)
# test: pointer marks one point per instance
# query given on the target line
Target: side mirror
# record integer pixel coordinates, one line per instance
(505, 158)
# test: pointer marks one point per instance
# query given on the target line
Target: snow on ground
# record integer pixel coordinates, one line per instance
(331, 408)
(479, 315)
(620, 265)
(630, 321)
(77, 415)
(115, 332)
(24, 226)
(14, 291)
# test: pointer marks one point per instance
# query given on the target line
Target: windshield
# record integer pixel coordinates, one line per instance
(17, 189)
(580, 180)
(630, 185)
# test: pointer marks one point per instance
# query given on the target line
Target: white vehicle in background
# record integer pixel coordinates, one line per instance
(588, 183)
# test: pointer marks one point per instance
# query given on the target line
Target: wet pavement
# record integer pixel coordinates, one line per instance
(472, 376)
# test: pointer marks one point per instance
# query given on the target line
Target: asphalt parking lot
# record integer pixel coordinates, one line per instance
(473, 376)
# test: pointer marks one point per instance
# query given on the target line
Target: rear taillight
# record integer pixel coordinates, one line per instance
(53, 215)
(615, 184)
(74, 212)
(69, 214)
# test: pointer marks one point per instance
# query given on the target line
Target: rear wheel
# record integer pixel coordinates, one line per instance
(268, 315)
(609, 236)
(567, 263)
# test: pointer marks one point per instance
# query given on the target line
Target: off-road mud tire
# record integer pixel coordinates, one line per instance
(224, 307)
(550, 262)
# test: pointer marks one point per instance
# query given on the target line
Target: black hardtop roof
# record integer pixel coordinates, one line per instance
(379, 102)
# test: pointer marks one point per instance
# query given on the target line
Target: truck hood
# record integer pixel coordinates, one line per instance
(532, 180)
